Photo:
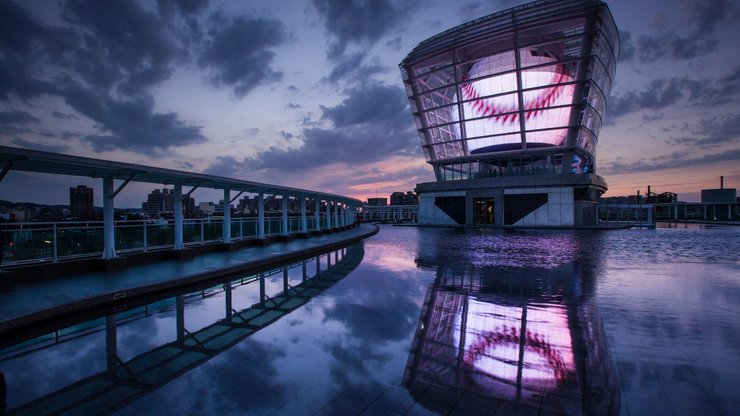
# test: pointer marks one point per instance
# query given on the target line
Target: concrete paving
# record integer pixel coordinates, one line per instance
(29, 303)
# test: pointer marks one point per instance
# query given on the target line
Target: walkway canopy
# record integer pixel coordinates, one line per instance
(12, 158)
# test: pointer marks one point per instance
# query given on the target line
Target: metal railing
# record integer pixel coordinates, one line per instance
(31, 242)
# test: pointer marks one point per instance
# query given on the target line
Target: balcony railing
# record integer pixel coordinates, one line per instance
(32, 242)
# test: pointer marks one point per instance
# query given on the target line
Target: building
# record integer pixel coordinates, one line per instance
(377, 202)
(161, 202)
(508, 108)
(408, 198)
(81, 203)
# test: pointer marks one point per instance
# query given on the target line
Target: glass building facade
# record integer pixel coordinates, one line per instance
(518, 92)
(510, 101)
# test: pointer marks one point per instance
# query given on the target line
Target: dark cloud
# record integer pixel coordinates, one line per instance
(359, 22)
(186, 7)
(63, 116)
(353, 68)
(675, 160)
(371, 124)
(292, 106)
(17, 117)
(130, 124)
(673, 46)
(692, 40)
(711, 131)
(124, 45)
(23, 43)
(626, 46)
(238, 53)
(662, 93)
(27, 144)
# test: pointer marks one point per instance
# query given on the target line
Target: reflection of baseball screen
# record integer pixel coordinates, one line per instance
(493, 339)
(491, 102)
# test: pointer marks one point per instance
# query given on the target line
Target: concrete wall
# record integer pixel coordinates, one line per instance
(429, 214)
(558, 210)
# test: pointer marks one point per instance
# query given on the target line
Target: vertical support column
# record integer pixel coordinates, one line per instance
(284, 198)
(336, 215)
(305, 272)
(328, 215)
(109, 230)
(318, 266)
(578, 90)
(317, 213)
(261, 216)
(111, 344)
(304, 223)
(179, 245)
(226, 228)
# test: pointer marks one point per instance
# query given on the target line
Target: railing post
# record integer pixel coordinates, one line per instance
(179, 245)
(146, 243)
(285, 214)
(202, 231)
(261, 216)
(317, 213)
(109, 232)
(226, 231)
(304, 223)
(54, 243)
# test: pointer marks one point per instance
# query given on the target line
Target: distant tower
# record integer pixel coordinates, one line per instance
(508, 108)
(81, 203)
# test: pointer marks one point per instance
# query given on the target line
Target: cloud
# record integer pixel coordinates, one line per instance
(186, 7)
(676, 160)
(63, 116)
(353, 68)
(692, 40)
(123, 45)
(662, 93)
(131, 123)
(371, 124)
(626, 46)
(23, 43)
(238, 54)
(16, 117)
(27, 144)
(359, 22)
(711, 131)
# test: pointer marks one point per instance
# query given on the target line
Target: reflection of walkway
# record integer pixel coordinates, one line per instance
(122, 382)
(47, 300)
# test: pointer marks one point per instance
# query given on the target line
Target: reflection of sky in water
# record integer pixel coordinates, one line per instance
(669, 301)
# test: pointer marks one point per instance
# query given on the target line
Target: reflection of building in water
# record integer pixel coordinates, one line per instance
(513, 337)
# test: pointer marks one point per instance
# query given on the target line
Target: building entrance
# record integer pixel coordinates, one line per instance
(484, 211)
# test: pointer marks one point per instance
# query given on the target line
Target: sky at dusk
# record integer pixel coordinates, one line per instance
(308, 93)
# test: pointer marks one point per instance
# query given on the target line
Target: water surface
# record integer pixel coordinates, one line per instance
(429, 321)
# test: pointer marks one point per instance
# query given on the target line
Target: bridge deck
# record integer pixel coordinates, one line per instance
(38, 301)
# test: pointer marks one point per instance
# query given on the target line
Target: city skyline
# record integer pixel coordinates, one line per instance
(298, 95)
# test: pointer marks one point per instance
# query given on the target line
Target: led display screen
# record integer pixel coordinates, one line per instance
(490, 101)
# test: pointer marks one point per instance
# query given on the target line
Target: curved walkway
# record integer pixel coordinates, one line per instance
(33, 303)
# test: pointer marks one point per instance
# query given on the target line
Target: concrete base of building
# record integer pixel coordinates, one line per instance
(183, 254)
(285, 238)
(301, 235)
(315, 233)
(536, 201)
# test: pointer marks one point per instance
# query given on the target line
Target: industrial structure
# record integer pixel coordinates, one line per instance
(508, 108)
